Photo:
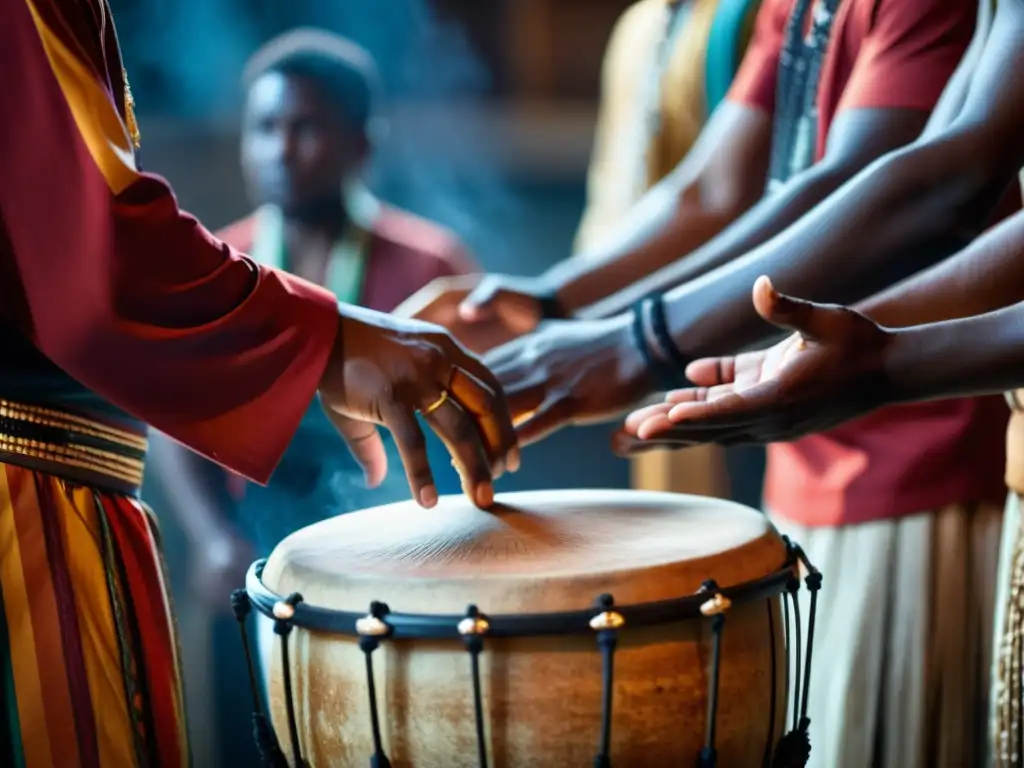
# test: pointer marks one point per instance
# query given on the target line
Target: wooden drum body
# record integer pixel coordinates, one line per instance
(685, 580)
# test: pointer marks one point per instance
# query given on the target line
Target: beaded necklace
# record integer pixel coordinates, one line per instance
(796, 102)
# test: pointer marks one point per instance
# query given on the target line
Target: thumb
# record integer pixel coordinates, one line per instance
(365, 445)
(478, 305)
(815, 322)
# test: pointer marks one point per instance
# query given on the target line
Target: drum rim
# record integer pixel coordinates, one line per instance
(424, 626)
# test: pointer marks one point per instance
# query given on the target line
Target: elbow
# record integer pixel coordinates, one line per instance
(721, 201)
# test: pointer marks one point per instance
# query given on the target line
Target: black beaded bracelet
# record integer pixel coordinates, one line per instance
(665, 376)
(659, 324)
(551, 308)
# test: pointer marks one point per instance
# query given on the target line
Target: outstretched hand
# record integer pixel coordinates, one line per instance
(482, 311)
(570, 373)
(383, 370)
(830, 370)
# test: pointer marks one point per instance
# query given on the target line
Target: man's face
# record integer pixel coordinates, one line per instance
(296, 150)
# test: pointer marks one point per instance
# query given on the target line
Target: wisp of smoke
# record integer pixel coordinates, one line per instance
(190, 53)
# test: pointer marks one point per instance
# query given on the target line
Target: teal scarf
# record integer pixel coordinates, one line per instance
(345, 270)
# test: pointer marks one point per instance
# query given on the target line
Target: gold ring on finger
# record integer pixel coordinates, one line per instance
(437, 403)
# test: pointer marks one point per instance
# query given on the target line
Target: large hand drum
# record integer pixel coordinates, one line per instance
(569, 628)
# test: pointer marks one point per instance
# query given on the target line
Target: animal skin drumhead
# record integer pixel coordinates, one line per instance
(533, 551)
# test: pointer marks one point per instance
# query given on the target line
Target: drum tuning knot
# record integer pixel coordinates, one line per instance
(474, 624)
(284, 610)
(372, 625)
(717, 605)
(813, 581)
(607, 619)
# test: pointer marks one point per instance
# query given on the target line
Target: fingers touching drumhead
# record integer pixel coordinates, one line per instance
(461, 435)
(479, 393)
(412, 447)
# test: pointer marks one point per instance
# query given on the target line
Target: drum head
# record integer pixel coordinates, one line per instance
(534, 552)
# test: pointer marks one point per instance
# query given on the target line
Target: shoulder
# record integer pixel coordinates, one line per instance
(239, 235)
(427, 246)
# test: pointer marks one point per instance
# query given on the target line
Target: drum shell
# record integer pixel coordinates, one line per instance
(542, 696)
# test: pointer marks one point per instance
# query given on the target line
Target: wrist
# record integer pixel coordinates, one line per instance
(545, 289)
(664, 360)
(563, 283)
(908, 373)
(632, 358)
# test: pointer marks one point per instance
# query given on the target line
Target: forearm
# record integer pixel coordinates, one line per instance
(985, 276)
(722, 176)
(974, 356)
(934, 197)
(765, 220)
(666, 224)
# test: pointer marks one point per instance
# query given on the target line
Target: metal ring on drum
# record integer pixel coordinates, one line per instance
(622, 628)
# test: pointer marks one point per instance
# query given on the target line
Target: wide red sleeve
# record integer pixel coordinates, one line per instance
(910, 53)
(117, 286)
(756, 81)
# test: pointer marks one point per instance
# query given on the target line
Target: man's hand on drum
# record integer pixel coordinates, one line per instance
(570, 372)
(383, 370)
(482, 311)
(832, 369)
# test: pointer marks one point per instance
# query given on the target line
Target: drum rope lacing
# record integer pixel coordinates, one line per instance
(606, 620)
(266, 742)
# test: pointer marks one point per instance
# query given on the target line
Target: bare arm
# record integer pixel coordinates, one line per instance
(973, 356)
(937, 193)
(986, 276)
(720, 178)
(856, 139)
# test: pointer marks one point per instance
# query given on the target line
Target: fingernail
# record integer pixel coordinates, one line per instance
(513, 460)
(484, 495)
(428, 496)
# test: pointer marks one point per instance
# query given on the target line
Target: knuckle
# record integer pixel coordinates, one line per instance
(432, 355)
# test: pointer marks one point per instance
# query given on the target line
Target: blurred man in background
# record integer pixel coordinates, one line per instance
(118, 307)
(307, 136)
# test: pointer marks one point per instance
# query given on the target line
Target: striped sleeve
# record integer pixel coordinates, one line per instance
(114, 283)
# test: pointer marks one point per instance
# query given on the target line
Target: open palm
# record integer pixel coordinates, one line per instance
(831, 370)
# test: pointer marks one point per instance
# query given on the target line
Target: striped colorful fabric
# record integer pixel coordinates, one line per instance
(88, 656)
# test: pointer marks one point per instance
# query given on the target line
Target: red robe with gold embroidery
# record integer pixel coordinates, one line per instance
(110, 281)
